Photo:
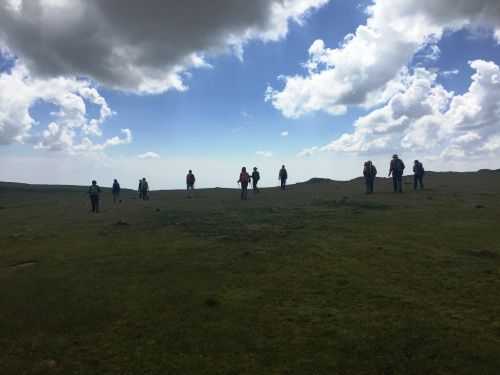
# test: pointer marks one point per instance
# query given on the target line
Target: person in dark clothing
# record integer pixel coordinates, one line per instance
(244, 180)
(144, 189)
(139, 189)
(283, 176)
(396, 170)
(94, 191)
(116, 192)
(255, 179)
(418, 177)
(190, 180)
(370, 172)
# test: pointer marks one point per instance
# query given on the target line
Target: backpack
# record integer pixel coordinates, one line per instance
(244, 178)
(190, 179)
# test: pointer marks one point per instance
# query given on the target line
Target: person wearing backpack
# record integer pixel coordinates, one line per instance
(139, 189)
(370, 172)
(190, 180)
(283, 176)
(397, 168)
(116, 191)
(255, 179)
(94, 192)
(418, 177)
(244, 180)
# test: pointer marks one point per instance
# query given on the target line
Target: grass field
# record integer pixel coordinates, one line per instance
(320, 279)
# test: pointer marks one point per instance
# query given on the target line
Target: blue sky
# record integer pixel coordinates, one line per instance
(221, 121)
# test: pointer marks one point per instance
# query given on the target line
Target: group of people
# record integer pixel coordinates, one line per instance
(396, 170)
(245, 179)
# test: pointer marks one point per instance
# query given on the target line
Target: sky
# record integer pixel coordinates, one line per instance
(125, 89)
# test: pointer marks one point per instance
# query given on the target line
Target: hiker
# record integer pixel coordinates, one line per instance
(144, 189)
(283, 175)
(116, 191)
(139, 189)
(370, 172)
(94, 191)
(396, 170)
(190, 180)
(244, 180)
(255, 179)
(418, 177)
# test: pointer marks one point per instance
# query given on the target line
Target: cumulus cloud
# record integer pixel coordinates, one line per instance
(284, 134)
(265, 154)
(149, 155)
(426, 118)
(71, 127)
(308, 152)
(364, 70)
(144, 47)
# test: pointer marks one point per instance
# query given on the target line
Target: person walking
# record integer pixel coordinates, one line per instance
(116, 191)
(244, 180)
(370, 172)
(418, 177)
(396, 169)
(190, 180)
(283, 176)
(94, 192)
(255, 179)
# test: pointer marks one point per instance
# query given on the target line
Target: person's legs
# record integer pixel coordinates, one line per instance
(400, 183)
(395, 182)
(92, 203)
(372, 182)
(415, 182)
(283, 184)
(367, 183)
(421, 180)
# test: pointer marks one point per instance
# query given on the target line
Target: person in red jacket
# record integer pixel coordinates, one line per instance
(244, 181)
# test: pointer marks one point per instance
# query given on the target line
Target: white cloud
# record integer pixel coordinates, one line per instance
(364, 70)
(428, 119)
(450, 73)
(266, 154)
(133, 46)
(71, 126)
(308, 152)
(284, 134)
(149, 155)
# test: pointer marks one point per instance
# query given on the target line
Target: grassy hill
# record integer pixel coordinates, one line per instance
(321, 279)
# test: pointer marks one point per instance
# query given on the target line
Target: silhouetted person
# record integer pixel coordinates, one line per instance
(283, 176)
(139, 189)
(145, 189)
(244, 180)
(255, 179)
(190, 180)
(370, 172)
(94, 191)
(396, 170)
(116, 191)
(418, 177)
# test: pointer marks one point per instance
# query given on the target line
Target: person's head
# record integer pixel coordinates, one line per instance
(255, 169)
(190, 171)
(94, 182)
(144, 179)
(283, 166)
(416, 161)
(244, 169)
(369, 162)
(395, 156)
(115, 180)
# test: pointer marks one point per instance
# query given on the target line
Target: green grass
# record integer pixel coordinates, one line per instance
(321, 279)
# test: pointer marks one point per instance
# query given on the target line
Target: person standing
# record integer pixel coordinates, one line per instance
(145, 189)
(116, 191)
(283, 176)
(94, 192)
(244, 180)
(190, 180)
(139, 189)
(255, 179)
(418, 177)
(397, 168)
(370, 172)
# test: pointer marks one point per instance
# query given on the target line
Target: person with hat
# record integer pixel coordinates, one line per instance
(396, 169)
